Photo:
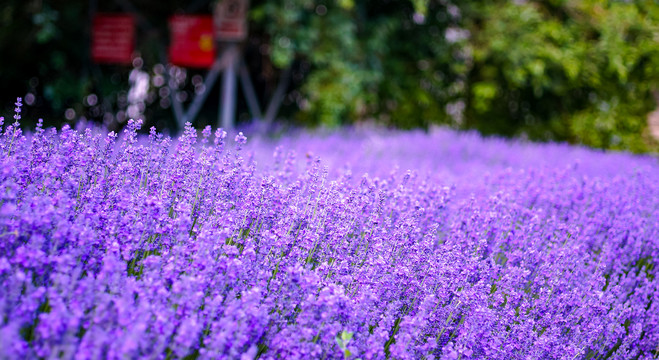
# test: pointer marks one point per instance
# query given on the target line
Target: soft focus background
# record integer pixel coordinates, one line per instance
(581, 71)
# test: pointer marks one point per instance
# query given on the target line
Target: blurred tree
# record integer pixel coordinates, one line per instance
(579, 71)
(41, 55)
(384, 60)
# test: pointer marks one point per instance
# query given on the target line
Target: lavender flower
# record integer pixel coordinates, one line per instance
(123, 246)
(17, 110)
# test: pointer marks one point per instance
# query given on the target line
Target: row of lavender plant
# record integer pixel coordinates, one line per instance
(128, 247)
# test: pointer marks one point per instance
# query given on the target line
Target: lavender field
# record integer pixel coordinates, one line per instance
(367, 244)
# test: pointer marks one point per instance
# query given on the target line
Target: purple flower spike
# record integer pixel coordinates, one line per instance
(17, 110)
(118, 245)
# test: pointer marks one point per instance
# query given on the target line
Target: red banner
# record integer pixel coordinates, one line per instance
(191, 41)
(113, 38)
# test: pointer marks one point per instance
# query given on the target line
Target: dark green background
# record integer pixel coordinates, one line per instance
(579, 71)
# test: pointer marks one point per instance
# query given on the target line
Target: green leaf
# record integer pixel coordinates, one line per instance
(346, 336)
(346, 4)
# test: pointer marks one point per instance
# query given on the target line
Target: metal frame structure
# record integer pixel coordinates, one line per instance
(229, 62)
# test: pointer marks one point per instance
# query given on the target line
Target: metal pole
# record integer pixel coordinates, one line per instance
(228, 95)
(278, 96)
(220, 63)
(248, 91)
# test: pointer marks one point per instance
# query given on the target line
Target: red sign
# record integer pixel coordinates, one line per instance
(113, 38)
(191, 42)
(231, 20)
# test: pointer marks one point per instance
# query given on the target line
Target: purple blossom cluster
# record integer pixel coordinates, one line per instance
(116, 246)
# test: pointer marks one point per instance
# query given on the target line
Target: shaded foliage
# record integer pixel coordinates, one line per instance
(577, 71)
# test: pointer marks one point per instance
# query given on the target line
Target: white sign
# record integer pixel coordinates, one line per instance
(230, 20)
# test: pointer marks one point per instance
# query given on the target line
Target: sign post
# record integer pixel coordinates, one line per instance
(230, 18)
(228, 95)
(194, 42)
(230, 21)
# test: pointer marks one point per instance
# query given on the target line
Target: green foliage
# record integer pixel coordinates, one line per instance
(557, 70)
(45, 52)
(366, 60)
(579, 71)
